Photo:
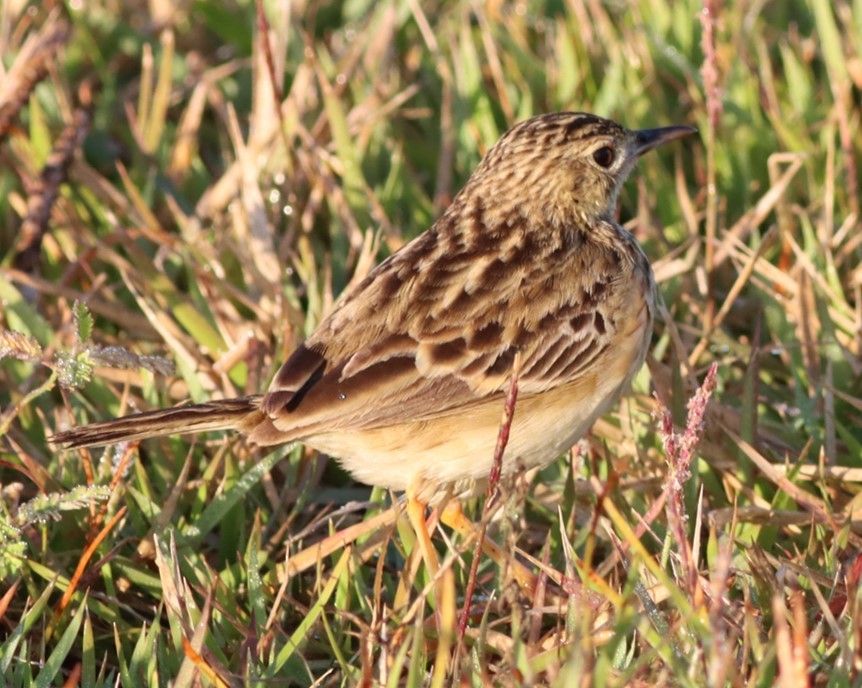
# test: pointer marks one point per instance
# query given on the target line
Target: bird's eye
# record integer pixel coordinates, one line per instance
(604, 156)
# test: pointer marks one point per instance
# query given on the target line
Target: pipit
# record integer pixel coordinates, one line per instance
(404, 382)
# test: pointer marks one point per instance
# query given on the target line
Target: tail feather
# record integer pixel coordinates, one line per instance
(228, 414)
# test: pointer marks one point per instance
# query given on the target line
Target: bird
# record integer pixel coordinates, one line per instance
(404, 382)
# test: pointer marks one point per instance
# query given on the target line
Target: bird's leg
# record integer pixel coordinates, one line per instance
(454, 517)
(416, 514)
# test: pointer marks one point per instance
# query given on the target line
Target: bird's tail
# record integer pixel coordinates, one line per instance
(228, 414)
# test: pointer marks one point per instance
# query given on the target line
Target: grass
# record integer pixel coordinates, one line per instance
(168, 233)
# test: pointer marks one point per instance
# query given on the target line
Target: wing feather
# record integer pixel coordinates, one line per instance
(451, 339)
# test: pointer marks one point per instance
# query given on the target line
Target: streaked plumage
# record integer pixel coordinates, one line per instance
(404, 381)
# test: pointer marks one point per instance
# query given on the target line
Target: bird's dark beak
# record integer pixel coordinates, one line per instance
(647, 139)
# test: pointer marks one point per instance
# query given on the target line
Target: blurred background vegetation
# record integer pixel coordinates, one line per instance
(186, 188)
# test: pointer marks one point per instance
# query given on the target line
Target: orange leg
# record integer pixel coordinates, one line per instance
(454, 517)
(416, 514)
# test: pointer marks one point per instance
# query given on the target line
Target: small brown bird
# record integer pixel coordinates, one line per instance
(405, 380)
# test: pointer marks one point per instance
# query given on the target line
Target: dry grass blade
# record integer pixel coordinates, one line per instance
(7, 597)
(82, 565)
(20, 346)
(45, 191)
(275, 74)
(31, 65)
(781, 518)
(730, 299)
(841, 474)
(805, 499)
(755, 217)
(311, 555)
(252, 228)
(245, 162)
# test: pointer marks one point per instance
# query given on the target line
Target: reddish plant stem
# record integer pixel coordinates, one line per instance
(680, 452)
(493, 489)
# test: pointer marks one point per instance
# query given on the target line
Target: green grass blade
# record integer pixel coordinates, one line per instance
(61, 649)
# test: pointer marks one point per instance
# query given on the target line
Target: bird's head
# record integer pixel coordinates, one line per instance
(563, 167)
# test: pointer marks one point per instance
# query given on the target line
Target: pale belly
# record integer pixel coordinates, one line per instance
(453, 452)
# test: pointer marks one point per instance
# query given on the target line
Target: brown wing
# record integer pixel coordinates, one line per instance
(435, 328)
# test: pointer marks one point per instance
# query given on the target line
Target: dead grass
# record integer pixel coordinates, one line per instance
(196, 184)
